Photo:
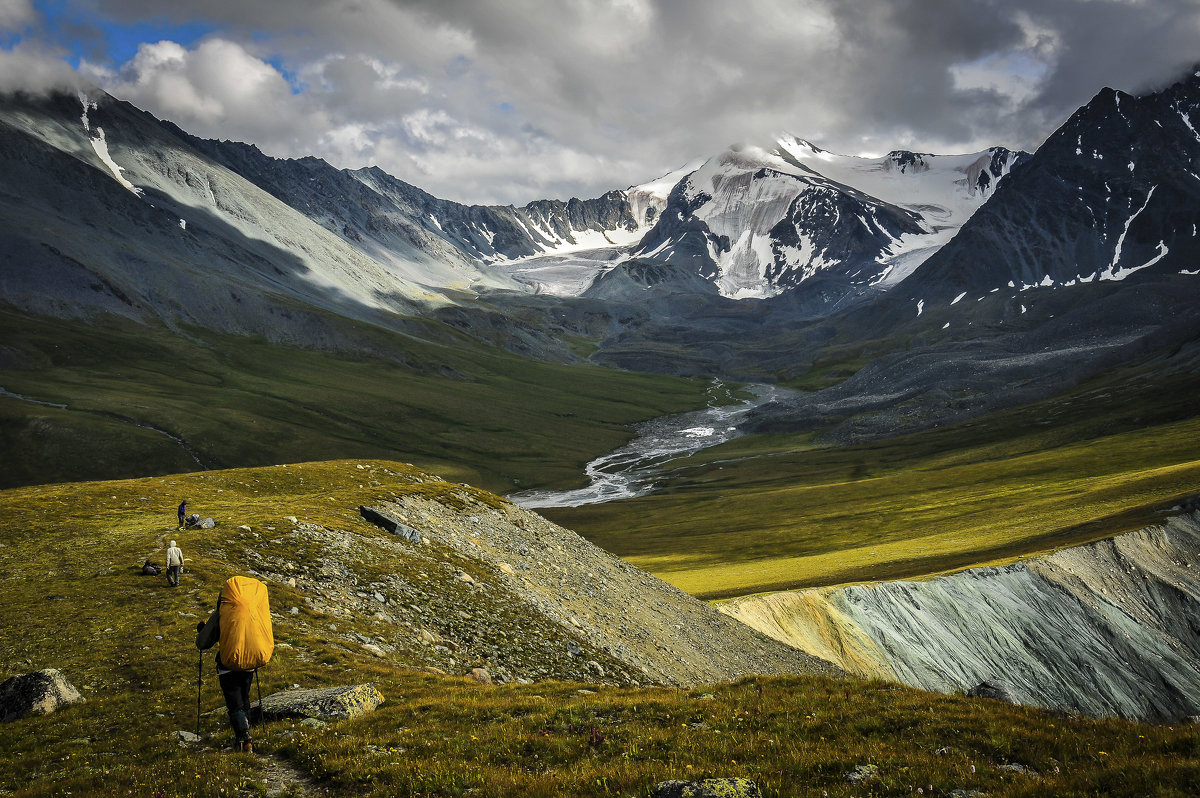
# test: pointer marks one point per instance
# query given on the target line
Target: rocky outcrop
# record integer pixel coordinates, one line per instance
(38, 693)
(493, 586)
(333, 703)
(607, 616)
(1107, 629)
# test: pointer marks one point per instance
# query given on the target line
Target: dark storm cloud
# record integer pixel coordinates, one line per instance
(487, 101)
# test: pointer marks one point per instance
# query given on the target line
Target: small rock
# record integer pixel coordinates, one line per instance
(505, 568)
(291, 519)
(294, 611)
(244, 528)
(187, 737)
(207, 523)
(313, 723)
(1014, 767)
(480, 675)
(291, 582)
(863, 773)
(996, 689)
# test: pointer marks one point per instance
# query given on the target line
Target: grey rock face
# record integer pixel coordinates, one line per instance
(332, 703)
(38, 693)
(1105, 629)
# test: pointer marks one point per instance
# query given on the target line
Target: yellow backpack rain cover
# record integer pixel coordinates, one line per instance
(246, 639)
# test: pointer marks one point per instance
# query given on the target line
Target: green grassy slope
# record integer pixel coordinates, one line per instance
(472, 412)
(73, 601)
(776, 512)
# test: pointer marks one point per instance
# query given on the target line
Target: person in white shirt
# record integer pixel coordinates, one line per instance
(174, 564)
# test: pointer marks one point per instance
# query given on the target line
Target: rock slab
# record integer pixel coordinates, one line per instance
(708, 788)
(393, 525)
(37, 693)
(332, 703)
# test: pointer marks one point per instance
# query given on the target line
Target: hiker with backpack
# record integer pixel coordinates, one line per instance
(174, 564)
(241, 628)
(182, 513)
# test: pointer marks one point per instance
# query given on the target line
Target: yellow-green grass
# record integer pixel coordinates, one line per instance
(472, 412)
(779, 512)
(73, 601)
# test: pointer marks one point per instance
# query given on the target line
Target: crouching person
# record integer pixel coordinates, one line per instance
(241, 628)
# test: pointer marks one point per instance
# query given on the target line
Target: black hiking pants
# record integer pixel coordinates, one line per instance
(235, 685)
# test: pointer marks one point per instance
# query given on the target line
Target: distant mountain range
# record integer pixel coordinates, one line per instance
(752, 264)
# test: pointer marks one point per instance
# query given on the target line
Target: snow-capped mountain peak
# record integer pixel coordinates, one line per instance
(759, 220)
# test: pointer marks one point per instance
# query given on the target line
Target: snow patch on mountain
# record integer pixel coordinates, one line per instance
(100, 145)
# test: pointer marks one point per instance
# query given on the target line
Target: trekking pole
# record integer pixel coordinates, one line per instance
(262, 719)
(199, 681)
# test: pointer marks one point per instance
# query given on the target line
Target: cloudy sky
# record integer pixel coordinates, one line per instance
(507, 101)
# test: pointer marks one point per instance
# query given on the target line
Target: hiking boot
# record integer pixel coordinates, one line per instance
(246, 746)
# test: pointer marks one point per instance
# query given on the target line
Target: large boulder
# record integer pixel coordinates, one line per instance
(708, 788)
(37, 693)
(332, 703)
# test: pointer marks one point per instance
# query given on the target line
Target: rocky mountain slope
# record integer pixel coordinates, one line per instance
(103, 210)
(474, 581)
(1113, 194)
(386, 216)
(1104, 629)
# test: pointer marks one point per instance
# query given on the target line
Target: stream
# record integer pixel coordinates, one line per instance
(631, 471)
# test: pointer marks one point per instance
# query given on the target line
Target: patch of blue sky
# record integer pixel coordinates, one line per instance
(86, 34)
(295, 82)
